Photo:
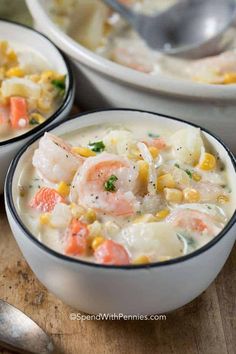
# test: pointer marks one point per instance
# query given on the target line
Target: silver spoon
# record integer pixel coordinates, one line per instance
(190, 28)
(20, 334)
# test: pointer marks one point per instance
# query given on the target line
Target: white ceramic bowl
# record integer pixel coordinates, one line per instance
(93, 288)
(21, 34)
(108, 84)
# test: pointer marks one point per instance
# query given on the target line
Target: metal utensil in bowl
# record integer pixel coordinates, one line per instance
(189, 28)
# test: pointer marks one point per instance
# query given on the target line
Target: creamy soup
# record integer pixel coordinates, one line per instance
(30, 91)
(98, 28)
(125, 194)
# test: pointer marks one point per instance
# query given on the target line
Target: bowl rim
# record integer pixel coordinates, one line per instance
(67, 98)
(12, 209)
(161, 83)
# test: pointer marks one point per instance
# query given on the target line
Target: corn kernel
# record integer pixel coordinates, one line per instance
(153, 151)
(114, 141)
(196, 177)
(191, 195)
(162, 214)
(48, 75)
(44, 219)
(35, 78)
(97, 241)
(63, 189)
(230, 78)
(90, 216)
(208, 163)
(222, 199)
(11, 56)
(141, 260)
(15, 72)
(37, 117)
(83, 151)
(165, 181)
(144, 219)
(173, 195)
(143, 172)
(3, 46)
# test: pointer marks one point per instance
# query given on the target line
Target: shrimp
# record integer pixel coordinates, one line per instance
(46, 199)
(194, 221)
(89, 185)
(213, 69)
(54, 160)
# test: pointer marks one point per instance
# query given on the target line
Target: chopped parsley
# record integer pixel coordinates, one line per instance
(60, 84)
(189, 173)
(97, 146)
(153, 135)
(33, 121)
(109, 185)
(191, 242)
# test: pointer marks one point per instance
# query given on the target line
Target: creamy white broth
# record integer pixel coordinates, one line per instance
(93, 25)
(148, 234)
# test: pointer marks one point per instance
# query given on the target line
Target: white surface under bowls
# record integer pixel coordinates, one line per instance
(146, 289)
(102, 83)
(23, 35)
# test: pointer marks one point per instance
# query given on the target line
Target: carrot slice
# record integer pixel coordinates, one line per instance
(110, 252)
(77, 238)
(18, 112)
(46, 199)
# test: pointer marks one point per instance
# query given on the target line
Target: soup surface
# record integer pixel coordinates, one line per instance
(96, 27)
(125, 194)
(30, 91)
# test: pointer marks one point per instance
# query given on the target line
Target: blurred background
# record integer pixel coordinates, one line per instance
(15, 10)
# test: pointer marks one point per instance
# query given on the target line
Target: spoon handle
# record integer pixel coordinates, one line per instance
(123, 10)
(21, 334)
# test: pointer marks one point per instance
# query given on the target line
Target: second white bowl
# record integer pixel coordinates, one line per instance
(13, 32)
